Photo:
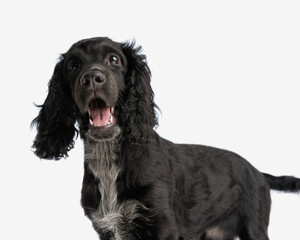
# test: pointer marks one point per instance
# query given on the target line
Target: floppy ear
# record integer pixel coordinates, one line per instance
(55, 121)
(138, 113)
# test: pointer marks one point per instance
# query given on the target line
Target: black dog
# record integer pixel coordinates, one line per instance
(138, 185)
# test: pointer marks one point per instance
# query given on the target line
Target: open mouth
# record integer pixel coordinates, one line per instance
(100, 115)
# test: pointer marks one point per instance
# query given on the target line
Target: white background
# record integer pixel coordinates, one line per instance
(225, 73)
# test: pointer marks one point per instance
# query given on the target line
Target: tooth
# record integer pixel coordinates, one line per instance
(91, 122)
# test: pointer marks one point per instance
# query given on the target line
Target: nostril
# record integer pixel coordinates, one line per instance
(98, 79)
(85, 81)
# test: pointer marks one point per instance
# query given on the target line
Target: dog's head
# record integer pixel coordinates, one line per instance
(95, 72)
(104, 86)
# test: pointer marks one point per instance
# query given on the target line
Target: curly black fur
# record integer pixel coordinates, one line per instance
(55, 122)
(136, 184)
(138, 111)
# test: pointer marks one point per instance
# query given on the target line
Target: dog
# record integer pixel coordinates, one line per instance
(136, 184)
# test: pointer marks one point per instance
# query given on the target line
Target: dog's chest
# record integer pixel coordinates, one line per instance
(111, 216)
(106, 175)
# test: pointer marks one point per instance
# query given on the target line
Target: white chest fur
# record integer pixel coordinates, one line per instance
(111, 216)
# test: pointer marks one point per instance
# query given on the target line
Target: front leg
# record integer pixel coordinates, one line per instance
(90, 195)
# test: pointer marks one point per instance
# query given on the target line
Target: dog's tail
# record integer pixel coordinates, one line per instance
(283, 183)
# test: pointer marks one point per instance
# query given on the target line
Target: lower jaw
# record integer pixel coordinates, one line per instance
(99, 134)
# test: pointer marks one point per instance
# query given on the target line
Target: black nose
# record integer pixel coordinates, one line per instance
(92, 78)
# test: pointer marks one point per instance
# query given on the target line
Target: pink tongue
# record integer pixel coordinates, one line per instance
(100, 116)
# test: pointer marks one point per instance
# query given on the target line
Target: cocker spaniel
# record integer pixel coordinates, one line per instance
(136, 184)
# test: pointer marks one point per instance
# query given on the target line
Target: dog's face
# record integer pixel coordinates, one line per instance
(95, 71)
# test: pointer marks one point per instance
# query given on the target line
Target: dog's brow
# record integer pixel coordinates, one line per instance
(108, 49)
(74, 55)
(77, 54)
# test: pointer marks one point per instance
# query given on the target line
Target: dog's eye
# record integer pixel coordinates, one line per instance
(114, 59)
(73, 66)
